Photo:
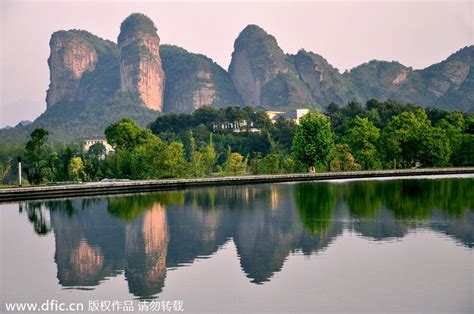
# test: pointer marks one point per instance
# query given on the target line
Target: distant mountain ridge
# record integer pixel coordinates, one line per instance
(94, 82)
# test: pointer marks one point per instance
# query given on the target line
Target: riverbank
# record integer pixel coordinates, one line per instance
(130, 186)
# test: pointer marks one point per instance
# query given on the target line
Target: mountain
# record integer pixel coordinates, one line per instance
(446, 85)
(324, 81)
(265, 76)
(83, 67)
(256, 61)
(194, 80)
(94, 82)
(140, 63)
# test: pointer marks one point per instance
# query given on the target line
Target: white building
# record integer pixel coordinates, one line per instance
(299, 114)
(88, 143)
(291, 115)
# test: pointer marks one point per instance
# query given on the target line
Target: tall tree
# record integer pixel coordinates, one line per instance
(362, 136)
(38, 157)
(126, 134)
(313, 141)
(402, 139)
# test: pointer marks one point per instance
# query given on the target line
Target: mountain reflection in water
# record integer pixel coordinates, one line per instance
(144, 235)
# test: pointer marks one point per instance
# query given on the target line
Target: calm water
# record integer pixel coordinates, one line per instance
(402, 245)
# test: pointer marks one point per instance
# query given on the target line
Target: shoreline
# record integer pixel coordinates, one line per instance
(139, 186)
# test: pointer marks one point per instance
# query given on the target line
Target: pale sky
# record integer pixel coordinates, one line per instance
(347, 33)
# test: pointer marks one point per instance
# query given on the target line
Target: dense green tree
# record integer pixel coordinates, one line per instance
(342, 159)
(313, 141)
(173, 122)
(38, 157)
(235, 164)
(403, 138)
(203, 160)
(76, 169)
(466, 152)
(282, 131)
(453, 125)
(174, 161)
(208, 157)
(362, 136)
(126, 134)
(436, 149)
(207, 115)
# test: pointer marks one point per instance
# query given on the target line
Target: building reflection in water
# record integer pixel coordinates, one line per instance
(144, 235)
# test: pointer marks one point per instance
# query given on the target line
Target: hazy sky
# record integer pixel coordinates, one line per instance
(346, 33)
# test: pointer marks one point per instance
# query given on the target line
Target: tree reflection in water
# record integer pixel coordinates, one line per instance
(144, 235)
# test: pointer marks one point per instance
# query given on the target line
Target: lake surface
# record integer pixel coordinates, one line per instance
(402, 245)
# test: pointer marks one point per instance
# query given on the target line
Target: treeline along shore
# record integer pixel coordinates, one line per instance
(234, 141)
(139, 186)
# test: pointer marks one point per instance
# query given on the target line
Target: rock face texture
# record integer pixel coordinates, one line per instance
(71, 56)
(94, 82)
(256, 60)
(324, 81)
(140, 62)
(452, 80)
(448, 84)
(379, 79)
(286, 91)
(82, 67)
(193, 81)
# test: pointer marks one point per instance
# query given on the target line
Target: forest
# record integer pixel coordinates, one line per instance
(239, 140)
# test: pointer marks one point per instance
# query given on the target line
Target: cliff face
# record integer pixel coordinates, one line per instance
(71, 56)
(193, 81)
(380, 79)
(324, 81)
(286, 92)
(448, 84)
(82, 67)
(452, 80)
(95, 82)
(140, 62)
(256, 60)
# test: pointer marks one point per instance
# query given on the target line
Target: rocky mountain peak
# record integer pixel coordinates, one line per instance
(194, 81)
(71, 56)
(256, 60)
(140, 63)
(137, 23)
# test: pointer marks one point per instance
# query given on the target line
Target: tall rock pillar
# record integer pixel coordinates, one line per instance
(140, 63)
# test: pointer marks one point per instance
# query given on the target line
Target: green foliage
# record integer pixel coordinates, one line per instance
(410, 138)
(203, 160)
(76, 169)
(313, 141)
(196, 145)
(141, 155)
(436, 149)
(342, 159)
(5, 169)
(272, 163)
(362, 136)
(174, 161)
(126, 134)
(38, 159)
(134, 23)
(75, 121)
(235, 164)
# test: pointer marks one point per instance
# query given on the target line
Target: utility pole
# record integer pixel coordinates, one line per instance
(19, 170)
